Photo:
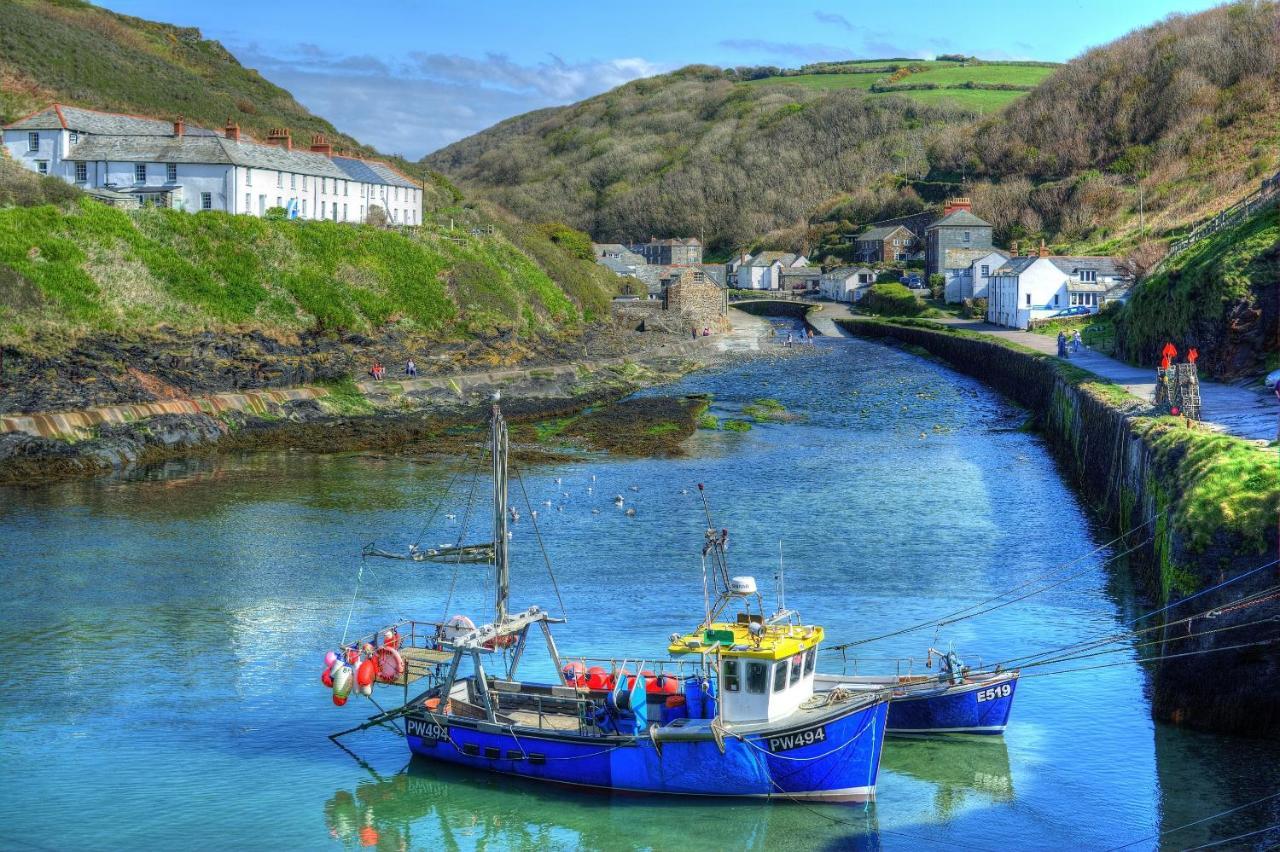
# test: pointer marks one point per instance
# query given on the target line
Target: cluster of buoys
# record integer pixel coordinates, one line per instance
(598, 678)
(357, 668)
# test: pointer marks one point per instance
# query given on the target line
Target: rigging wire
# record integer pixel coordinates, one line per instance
(1213, 843)
(440, 502)
(1159, 659)
(462, 531)
(1209, 818)
(533, 517)
(1208, 590)
(960, 613)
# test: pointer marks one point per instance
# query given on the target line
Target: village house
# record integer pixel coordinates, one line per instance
(731, 268)
(846, 283)
(699, 300)
(764, 270)
(958, 228)
(673, 252)
(885, 244)
(799, 279)
(966, 272)
(1029, 288)
(617, 252)
(145, 161)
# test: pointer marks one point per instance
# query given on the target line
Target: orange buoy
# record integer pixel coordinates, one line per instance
(339, 700)
(573, 674)
(368, 836)
(365, 673)
(598, 678)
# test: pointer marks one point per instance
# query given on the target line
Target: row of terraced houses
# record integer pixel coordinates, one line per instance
(136, 161)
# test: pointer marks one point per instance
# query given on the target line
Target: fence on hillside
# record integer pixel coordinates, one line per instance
(1266, 193)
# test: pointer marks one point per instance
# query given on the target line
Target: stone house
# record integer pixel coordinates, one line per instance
(764, 270)
(1035, 287)
(885, 244)
(799, 279)
(699, 300)
(146, 161)
(958, 228)
(672, 252)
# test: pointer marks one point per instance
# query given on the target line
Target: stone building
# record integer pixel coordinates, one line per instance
(699, 300)
(674, 252)
(885, 244)
(957, 229)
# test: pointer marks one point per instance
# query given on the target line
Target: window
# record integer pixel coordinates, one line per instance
(397, 192)
(304, 182)
(206, 201)
(344, 212)
(731, 682)
(73, 136)
(361, 212)
(33, 141)
(42, 166)
(345, 187)
(82, 172)
(248, 177)
(248, 202)
(811, 661)
(1088, 275)
(139, 172)
(279, 201)
(757, 677)
(324, 184)
(797, 668)
(279, 180)
(321, 209)
(1055, 298)
(966, 236)
(1028, 300)
(779, 675)
(986, 270)
(293, 181)
(171, 172)
(304, 208)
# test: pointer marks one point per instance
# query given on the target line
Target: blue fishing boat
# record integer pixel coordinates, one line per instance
(734, 707)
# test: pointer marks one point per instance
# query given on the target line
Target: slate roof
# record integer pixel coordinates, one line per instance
(881, 233)
(959, 219)
(717, 272)
(963, 258)
(59, 117)
(1104, 266)
(848, 271)
(768, 258)
(202, 149)
(800, 272)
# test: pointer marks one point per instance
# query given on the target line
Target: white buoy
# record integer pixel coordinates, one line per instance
(635, 488)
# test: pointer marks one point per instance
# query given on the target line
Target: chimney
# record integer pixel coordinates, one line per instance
(953, 204)
(233, 131)
(1013, 248)
(1044, 252)
(280, 138)
(179, 127)
(320, 145)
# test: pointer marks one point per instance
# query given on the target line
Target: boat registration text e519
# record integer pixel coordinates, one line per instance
(797, 739)
(426, 730)
(991, 693)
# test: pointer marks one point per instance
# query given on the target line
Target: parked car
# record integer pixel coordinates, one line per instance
(1077, 311)
(913, 281)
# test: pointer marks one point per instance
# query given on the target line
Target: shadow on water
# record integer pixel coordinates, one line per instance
(460, 808)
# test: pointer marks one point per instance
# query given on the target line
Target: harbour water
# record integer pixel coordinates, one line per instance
(167, 631)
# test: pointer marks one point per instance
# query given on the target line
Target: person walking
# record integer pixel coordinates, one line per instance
(1062, 344)
(1076, 342)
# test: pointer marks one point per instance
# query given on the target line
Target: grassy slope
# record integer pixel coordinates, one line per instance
(76, 53)
(91, 268)
(1236, 271)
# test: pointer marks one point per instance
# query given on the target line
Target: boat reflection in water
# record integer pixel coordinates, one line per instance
(960, 768)
(452, 807)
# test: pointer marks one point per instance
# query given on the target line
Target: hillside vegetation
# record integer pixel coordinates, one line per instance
(89, 269)
(73, 52)
(1177, 119)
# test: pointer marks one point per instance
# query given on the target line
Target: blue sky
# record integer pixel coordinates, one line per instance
(410, 76)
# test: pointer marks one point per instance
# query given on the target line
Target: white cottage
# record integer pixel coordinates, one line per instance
(846, 283)
(145, 161)
(967, 272)
(1028, 288)
(764, 271)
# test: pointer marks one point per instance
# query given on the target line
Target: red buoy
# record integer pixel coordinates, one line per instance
(365, 673)
(339, 700)
(327, 678)
(665, 684)
(353, 656)
(573, 674)
(597, 678)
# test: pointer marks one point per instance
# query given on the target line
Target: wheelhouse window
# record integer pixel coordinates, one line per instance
(757, 677)
(139, 172)
(797, 668)
(732, 683)
(811, 661)
(33, 141)
(779, 675)
(206, 201)
(82, 172)
(171, 172)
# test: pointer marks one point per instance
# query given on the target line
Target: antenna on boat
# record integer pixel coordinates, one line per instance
(780, 584)
(498, 435)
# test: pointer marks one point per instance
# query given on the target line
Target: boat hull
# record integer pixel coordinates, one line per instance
(971, 708)
(836, 758)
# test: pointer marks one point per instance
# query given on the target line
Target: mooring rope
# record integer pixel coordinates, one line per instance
(1209, 818)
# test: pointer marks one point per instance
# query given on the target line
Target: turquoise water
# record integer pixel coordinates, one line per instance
(167, 630)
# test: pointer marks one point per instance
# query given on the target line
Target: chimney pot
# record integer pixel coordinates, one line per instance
(320, 145)
(233, 131)
(1044, 252)
(1013, 248)
(179, 127)
(281, 138)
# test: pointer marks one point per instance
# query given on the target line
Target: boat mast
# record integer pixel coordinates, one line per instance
(498, 434)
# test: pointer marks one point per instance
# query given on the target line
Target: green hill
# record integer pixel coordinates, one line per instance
(1123, 145)
(73, 52)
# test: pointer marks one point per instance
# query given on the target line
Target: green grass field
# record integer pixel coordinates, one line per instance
(978, 100)
(1016, 75)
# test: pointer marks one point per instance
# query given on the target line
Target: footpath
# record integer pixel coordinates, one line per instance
(1227, 408)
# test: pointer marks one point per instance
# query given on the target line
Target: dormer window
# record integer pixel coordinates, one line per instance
(1088, 275)
(73, 136)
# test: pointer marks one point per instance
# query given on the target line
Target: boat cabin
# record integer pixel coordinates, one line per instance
(765, 669)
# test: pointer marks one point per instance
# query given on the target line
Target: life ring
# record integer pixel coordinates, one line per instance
(457, 626)
(390, 665)
(391, 639)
